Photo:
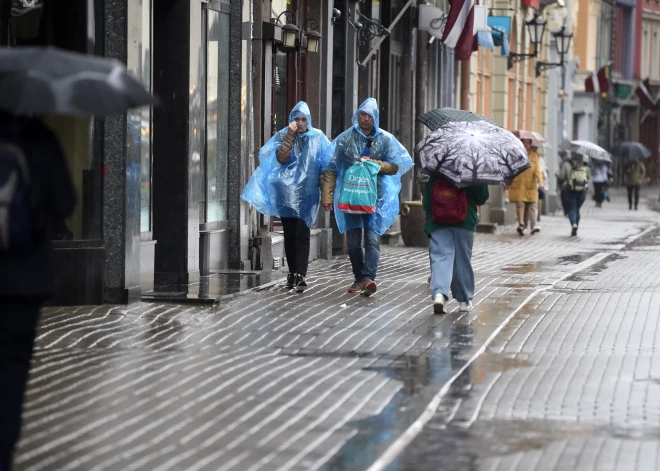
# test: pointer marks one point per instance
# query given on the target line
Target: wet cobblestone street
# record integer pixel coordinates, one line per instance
(557, 367)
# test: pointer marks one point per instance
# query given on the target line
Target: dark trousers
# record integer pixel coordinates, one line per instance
(599, 192)
(18, 323)
(633, 193)
(296, 245)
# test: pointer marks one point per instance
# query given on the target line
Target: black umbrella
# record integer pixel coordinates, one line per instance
(437, 118)
(475, 153)
(633, 150)
(36, 80)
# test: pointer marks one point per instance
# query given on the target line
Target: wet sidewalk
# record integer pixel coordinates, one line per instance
(325, 380)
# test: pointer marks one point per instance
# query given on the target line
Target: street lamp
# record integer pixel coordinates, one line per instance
(535, 30)
(289, 30)
(312, 35)
(563, 40)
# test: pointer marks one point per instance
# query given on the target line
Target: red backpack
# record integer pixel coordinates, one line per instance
(449, 205)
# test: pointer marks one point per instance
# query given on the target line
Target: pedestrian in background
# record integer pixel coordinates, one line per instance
(635, 174)
(450, 243)
(545, 187)
(365, 140)
(600, 178)
(35, 184)
(287, 185)
(574, 174)
(524, 190)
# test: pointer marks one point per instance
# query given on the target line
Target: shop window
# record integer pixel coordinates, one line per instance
(143, 116)
(41, 23)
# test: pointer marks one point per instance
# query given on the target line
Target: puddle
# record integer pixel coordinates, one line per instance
(523, 268)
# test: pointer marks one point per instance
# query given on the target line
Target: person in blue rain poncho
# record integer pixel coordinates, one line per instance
(365, 140)
(287, 185)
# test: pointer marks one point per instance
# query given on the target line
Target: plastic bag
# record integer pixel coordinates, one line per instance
(346, 150)
(291, 190)
(359, 189)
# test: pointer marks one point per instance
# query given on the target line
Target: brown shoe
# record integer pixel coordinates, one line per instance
(356, 287)
(370, 288)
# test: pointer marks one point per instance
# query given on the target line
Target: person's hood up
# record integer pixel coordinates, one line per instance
(301, 109)
(369, 106)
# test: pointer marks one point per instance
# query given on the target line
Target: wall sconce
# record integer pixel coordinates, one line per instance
(535, 30)
(563, 45)
(312, 36)
(289, 31)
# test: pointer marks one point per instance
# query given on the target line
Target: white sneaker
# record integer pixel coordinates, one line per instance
(439, 304)
(465, 307)
(536, 230)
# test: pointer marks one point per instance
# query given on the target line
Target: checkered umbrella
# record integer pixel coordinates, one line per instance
(437, 118)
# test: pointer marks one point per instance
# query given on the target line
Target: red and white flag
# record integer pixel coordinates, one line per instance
(459, 31)
(643, 91)
(598, 83)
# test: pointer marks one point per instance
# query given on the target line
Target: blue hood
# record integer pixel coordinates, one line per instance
(301, 109)
(369, 106)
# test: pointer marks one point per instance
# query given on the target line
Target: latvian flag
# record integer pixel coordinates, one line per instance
(644, 93)
(459, 31)
(598, 83)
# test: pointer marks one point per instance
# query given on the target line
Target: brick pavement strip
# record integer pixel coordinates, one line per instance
(276, 381)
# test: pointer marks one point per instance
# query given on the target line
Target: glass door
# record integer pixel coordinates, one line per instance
(215, 36)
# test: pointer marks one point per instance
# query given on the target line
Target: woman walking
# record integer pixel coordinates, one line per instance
(286, 185)
(451, 240)
(524, 191)
(635, 174)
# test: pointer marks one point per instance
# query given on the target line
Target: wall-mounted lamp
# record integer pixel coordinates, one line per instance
(535, 31)
(312, 36)
(289, 30)
(563, 40)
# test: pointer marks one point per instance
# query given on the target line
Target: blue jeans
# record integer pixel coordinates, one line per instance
(574, 201)
(365, 263)
(450, 251)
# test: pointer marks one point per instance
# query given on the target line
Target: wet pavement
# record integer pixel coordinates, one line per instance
(557, 366)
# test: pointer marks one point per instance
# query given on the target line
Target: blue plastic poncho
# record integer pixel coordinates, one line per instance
(347, 148)
(291, 190)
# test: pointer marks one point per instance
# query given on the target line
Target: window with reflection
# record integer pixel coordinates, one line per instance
(217, 111)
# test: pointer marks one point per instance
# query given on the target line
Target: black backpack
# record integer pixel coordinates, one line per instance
(18, 199)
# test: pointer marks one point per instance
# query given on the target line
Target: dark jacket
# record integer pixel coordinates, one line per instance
(476, 195)
(30, 275)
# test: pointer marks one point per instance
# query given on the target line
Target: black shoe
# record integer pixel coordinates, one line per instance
(301, 284)
(290, 281)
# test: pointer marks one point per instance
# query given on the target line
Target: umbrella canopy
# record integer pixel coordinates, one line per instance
(531, 135)
(474, 153)
(633, 150)
(437, 118)
(588, 149)
(35, 80)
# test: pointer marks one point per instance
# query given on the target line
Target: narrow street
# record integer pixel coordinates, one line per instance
(557, 367)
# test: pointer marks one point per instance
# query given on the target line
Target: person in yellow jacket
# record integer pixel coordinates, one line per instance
(524, 191)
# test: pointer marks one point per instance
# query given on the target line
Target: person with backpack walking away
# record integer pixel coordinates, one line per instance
(35, 191)
(365, 142)
(524, 190)
(287, 185)
(635, 174)
(574, 175)
(451, 222)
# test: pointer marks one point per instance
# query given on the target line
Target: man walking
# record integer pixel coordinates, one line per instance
(574, 175)
(366, 141)
(32, 169)
(635, 174)
(600, 178)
